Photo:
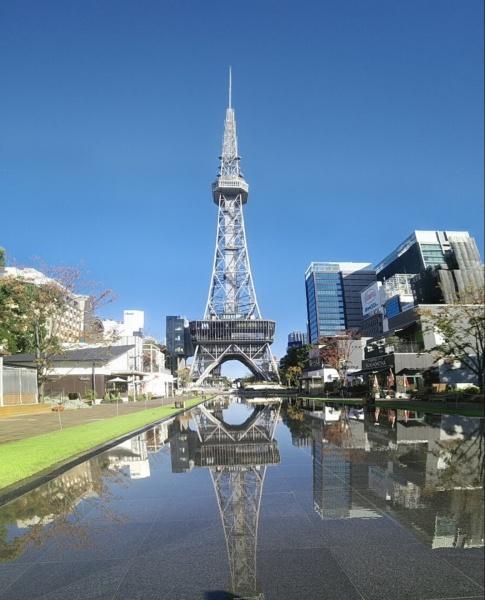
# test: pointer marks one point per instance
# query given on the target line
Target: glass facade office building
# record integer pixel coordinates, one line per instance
(423, 249)
(297, 339)
(333, 297)
(442, 265)
(178, 340)
(175, 335)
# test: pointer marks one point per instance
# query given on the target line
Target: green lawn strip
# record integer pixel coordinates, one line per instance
(23, 458)
(352, 401)
(431, 407)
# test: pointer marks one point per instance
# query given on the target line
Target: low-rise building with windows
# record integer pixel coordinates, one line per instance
(99, 368)
(403, 359)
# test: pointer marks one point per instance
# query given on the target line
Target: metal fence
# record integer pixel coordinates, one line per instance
(19, 386)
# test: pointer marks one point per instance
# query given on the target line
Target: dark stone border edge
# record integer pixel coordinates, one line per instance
(15, 490)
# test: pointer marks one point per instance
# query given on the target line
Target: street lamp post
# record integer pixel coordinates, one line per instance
(93, 380)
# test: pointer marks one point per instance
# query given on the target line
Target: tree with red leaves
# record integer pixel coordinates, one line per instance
(335, 351)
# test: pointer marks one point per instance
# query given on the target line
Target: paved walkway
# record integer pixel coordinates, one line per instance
(20, 427)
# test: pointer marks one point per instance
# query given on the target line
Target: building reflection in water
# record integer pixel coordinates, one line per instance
(133, 453)
(426, 469)
(23, 521)
(237, 457)
(51, 509)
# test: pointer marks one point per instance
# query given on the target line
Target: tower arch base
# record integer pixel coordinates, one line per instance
(256, 357)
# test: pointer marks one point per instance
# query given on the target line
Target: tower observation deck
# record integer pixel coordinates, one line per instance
(232, 327)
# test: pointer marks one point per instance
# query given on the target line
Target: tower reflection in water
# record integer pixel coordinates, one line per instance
(237, 457)
(427, 470)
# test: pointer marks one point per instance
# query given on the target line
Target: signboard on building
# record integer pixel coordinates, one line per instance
(370, 299)
(378, 362)
(393, 306)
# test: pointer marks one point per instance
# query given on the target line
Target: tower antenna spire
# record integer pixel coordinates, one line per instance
(230, 87)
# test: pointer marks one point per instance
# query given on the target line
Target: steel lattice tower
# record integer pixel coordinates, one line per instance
(232, 328)
(237, 457)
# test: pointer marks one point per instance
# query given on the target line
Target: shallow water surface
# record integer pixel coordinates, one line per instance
(260, 499)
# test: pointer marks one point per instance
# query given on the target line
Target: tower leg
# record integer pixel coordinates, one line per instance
(256, 357)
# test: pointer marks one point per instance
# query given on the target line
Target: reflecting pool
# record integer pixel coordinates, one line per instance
(260, 500)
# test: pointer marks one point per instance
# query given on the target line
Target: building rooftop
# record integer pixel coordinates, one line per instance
(336, 267)
(422, 237)
(91, 354)
(36, 277)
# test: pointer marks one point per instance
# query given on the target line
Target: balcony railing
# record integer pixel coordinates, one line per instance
(231, 183)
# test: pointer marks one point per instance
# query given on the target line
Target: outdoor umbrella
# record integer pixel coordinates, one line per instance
(117, 380)
(390, 378)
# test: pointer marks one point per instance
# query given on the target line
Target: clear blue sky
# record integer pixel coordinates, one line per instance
(358, 122)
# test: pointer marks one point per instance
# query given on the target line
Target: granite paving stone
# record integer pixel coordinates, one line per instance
(10, 573)
(288, 533)
(282, 504)
(402, 572)
(176, 575)
(120, 510)
(80, 580)
(470, 561)
(303, 575)
(98, 541)
(189, 534)
(356, 531)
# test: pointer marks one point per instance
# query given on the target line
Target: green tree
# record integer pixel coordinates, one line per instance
(15, 333)
(183, 375)
(461, 327)
(30, 316)
(463, 458)
(292, 374)
(34, 317)
(296, 359)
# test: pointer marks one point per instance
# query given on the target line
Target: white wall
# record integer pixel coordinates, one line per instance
(158, 384)
(133, 321)
(356, 354)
